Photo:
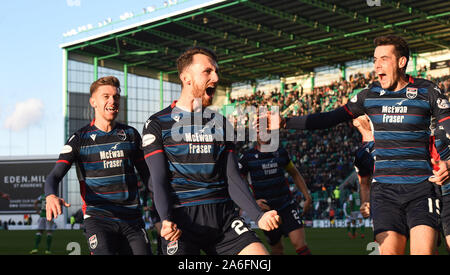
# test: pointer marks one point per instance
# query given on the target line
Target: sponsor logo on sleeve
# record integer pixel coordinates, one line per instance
(443, 103)
(66, 149)
(148, 139)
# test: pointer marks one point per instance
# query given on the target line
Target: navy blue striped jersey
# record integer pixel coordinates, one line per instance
(267, 179)
(195, 146)
(105, 163)
(401, 122)
(364, 161)
(442, 143)
(441, 147)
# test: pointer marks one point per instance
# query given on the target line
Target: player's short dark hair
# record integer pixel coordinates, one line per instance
(400, 45)
(185, 59)
(107, 80)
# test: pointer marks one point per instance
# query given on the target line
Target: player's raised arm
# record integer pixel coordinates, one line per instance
(318, 120)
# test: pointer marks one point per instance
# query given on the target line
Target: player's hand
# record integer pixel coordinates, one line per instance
(269, 221)
(365, 209)
(442, 175)
(169, 231)
(262, 203)
(307, 205)
(53, 206)
(270, 120)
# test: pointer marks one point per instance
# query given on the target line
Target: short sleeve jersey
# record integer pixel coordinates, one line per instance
(401, 122)
(105, 164)
(195, 145)
(267, 179)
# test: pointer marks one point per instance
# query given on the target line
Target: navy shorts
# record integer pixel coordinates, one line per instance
(290, 221)
(217, 229)
(400, 207)
(111, 237)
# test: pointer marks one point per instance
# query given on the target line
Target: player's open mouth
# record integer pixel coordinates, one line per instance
(381, 76)
(210, 91)
(112, 109)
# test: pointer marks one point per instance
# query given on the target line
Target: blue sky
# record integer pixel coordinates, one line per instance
(31, 31)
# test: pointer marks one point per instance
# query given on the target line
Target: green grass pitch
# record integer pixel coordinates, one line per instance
(326, 241)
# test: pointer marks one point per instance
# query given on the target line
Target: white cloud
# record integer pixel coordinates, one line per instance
(73, 3)
(25, 113)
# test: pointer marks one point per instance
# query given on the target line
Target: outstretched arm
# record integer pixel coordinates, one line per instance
(318, 120)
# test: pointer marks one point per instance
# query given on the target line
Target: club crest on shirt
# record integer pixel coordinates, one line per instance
(121, 134)
(93, 241)
(411, 93)
(172, 247)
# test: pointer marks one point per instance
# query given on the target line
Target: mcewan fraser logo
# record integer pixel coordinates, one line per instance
(395, 111)
(112, 158)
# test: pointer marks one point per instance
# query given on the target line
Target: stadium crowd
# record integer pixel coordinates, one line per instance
(323, 157)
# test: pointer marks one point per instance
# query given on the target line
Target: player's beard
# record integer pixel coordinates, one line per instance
(200, 92)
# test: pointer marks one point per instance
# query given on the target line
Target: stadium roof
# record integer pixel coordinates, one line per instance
(259, 39)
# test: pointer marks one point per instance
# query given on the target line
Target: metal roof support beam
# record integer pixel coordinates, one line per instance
(167, 51)
(379, 25)
(289, 37)
(267, 49)
(236, 55)
(95, 68)
(417, 12)
(161, 90)
(338, 33)
(296, 19)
